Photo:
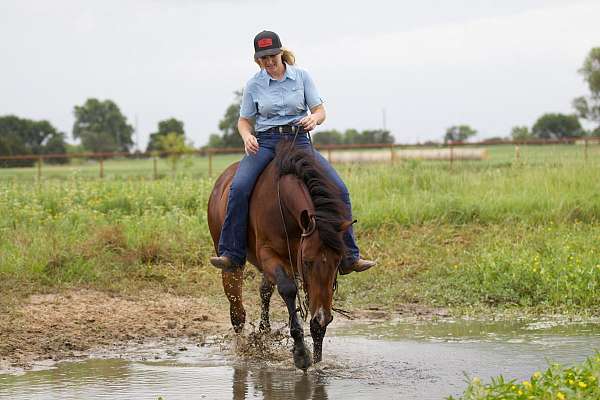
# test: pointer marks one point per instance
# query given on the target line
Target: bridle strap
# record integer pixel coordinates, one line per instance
(298, 272)
(302, 306)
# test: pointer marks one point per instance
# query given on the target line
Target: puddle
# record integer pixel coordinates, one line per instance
(396, 360)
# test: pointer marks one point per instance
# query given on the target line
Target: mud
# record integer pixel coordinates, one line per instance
(77, 323)
(71, 324)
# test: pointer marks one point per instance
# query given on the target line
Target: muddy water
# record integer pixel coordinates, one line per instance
(395, 360)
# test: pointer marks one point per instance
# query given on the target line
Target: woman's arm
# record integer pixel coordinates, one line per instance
(316, 117)
(245, 129)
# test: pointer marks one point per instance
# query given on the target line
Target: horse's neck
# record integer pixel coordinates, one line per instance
(294, 194)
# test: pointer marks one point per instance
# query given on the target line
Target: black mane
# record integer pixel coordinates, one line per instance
(329, 208)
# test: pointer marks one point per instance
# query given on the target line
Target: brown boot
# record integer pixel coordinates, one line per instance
(224, 263)
(359, 265)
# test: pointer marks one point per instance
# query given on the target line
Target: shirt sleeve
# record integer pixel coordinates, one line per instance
(311, 94)
(247, 107)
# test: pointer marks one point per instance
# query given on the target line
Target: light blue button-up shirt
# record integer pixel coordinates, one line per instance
(275, 103)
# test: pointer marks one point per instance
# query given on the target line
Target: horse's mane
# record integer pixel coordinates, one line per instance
(325, 195)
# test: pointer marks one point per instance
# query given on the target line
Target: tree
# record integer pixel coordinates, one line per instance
(102, 127)
(589, 108)
(20, 136)
(214, 140)
(556, 126)
(174, 143)
(352, 136)
(228, 125)
(459, 133)
(377, 136)
(520, 133)
(165, 127)
(328, 137)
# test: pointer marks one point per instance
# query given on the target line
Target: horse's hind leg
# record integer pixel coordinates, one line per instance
(232, 284)
(266, 290)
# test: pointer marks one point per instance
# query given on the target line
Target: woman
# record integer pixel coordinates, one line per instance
(278, 98)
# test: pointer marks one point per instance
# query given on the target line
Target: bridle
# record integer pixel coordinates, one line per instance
(298, 271)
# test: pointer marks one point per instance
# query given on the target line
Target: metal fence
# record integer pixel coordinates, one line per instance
(451, 150)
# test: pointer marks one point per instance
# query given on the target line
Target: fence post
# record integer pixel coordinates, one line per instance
(451, 155)
(209, 162)
(585, 149)
(392, 154)
(329, 155)
(39, 169)
(101, 167)
(155, 167)
(517, 153)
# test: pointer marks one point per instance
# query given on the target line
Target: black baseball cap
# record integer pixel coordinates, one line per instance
(266, 43)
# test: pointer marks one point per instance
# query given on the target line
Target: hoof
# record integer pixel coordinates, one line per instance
(238, 328)
(302, 359)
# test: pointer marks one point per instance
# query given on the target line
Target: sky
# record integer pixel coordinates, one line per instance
(415, 68)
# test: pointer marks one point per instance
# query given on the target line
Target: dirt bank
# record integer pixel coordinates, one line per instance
(78, 322)
(57, 326)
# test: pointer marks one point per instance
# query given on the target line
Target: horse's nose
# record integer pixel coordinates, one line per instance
(323, 317)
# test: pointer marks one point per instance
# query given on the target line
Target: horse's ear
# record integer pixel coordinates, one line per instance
(305, 220)
(346, 225)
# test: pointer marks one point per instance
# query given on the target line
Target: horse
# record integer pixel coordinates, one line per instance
(295, 227)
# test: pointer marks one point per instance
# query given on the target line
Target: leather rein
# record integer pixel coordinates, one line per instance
(298, 267)
(298, 271)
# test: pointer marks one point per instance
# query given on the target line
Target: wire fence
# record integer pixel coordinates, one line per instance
(208, 161)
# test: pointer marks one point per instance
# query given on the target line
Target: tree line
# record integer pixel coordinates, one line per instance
(100, 126)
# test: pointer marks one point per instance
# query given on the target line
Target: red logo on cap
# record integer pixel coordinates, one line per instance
(266, 42)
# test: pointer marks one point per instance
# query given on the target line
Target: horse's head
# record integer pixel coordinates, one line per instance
(318, 264)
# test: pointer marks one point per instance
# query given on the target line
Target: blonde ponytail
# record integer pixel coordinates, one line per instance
(288, 57)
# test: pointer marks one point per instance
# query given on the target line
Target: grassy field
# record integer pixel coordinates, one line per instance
(492, 235)
(197, 166)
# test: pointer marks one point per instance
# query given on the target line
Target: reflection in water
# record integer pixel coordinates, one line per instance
(395, 360)
(274, 385)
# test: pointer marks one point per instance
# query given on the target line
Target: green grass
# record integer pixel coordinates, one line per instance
(556, 383)
(477, 235)
(197, 166)
(190, 166)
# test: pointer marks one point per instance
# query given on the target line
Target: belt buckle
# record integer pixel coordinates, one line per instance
(280, 130)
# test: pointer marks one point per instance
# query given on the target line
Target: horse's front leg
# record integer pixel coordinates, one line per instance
(266, 290)
(274, 271)
(318, 333)
(232, 285)
(287, 289)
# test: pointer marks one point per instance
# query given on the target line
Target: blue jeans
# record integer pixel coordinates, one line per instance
(234, 233)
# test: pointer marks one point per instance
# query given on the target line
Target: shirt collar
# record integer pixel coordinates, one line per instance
(290, 72)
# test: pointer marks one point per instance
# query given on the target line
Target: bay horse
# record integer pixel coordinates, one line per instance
(295, 227)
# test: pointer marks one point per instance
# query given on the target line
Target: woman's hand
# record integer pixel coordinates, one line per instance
(309, 122)
(250, 144)
(316, 117)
